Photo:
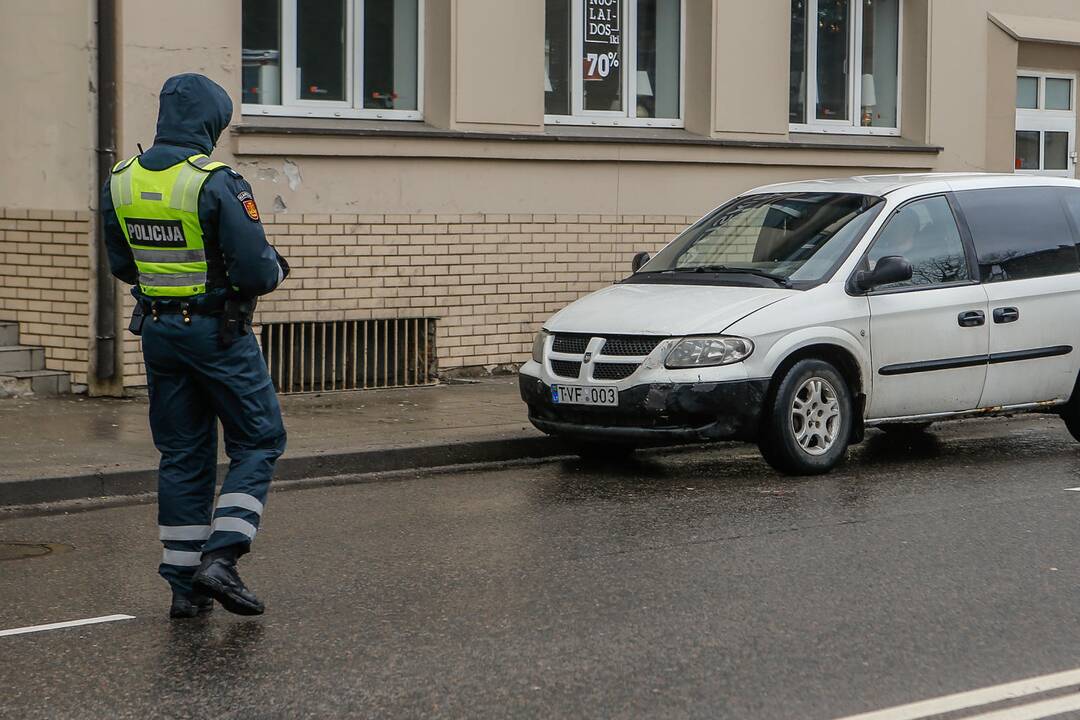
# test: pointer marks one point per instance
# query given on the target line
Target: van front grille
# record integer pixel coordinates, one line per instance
(613, 371)
(566, 368)
(570, 343)
(614, 345)
(630, 345)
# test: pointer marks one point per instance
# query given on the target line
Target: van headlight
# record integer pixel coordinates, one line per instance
(538, 345)
(708, 351)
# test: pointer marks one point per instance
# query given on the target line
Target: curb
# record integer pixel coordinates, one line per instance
(360, 462)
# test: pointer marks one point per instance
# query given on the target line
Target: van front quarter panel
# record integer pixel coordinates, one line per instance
(823, 316)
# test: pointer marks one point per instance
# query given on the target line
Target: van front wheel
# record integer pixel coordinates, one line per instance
(808, 426)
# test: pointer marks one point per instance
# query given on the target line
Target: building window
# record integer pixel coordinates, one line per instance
(845, 66)
(614, 62)
(332, 58)
(1045, 124)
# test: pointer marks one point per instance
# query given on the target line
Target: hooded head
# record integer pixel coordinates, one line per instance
(193, 111)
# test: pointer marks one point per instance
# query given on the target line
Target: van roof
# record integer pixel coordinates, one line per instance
(881, 185)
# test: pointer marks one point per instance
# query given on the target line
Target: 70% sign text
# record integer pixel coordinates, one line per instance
(601, 64)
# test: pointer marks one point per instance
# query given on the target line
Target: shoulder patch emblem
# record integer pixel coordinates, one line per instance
(248, 201)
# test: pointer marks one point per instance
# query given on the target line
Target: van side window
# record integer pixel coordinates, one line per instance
(1020, 232)
(925, 233)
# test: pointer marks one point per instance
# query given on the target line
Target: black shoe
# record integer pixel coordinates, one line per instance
(218, 578)
(189, 606)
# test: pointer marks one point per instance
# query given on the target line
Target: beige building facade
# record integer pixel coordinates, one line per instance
(478, 164)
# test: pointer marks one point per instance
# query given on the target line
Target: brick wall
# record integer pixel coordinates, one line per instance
(489, 279)
(44, 283)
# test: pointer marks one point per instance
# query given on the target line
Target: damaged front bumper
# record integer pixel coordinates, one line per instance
(655, 413)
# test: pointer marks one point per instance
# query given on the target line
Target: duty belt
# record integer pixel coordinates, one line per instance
(187, 308)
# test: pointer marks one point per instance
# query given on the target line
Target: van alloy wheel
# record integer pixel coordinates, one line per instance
(806, 426)
(815, 416)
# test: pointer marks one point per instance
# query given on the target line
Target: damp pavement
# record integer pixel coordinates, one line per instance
(694, 584)
(75, 437)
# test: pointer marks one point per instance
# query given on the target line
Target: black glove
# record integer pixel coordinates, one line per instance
(284, 265)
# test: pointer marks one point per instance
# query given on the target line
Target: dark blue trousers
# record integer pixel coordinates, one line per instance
(193, 383)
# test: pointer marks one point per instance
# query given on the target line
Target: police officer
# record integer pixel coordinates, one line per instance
(185, 231)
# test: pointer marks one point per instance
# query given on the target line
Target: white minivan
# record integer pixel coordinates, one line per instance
(797, 315)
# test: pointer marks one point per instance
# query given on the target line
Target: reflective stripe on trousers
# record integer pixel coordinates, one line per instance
(183, 532)
(181, 558)
(236, 525)
(240, 500)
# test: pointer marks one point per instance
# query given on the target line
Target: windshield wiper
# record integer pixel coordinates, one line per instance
(778, 279)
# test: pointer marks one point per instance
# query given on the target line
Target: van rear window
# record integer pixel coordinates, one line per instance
(1020, 233)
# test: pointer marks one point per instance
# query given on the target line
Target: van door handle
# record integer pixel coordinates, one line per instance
(1006, 315)
(971, 318)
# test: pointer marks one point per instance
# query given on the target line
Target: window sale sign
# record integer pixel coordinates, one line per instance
(603, 41)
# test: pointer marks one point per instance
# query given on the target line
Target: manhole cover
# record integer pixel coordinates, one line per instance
(23, 551)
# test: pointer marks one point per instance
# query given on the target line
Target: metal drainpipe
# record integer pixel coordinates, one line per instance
(105, 307)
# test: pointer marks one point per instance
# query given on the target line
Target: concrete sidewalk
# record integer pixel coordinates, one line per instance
(68, 448)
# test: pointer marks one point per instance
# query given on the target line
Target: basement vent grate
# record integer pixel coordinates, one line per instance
(306, 357)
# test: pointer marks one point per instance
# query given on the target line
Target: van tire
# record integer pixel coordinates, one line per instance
(1071, 415)
(824, 397)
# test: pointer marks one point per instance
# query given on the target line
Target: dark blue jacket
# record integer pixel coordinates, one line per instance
(193, 112)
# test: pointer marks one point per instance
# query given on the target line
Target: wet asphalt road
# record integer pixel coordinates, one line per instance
(694, 584)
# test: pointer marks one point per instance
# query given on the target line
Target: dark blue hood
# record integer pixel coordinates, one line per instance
(194, 110)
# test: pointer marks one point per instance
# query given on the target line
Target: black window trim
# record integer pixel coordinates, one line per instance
(965, 239)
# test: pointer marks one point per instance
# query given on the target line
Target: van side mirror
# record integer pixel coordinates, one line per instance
(889, 269)
(639, 260)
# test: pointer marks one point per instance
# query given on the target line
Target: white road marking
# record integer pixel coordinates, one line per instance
(1034, 711)
(70, 623)
(983, 696)
(1075, 489)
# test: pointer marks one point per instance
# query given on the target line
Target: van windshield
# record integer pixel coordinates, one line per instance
(786, 239)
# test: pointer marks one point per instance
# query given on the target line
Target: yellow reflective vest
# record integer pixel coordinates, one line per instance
(158, 211)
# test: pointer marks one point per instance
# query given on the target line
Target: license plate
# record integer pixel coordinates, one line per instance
(576, 395)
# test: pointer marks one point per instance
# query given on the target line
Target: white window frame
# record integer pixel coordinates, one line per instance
(1042, 76)
(850, 126)
(291, 103)
(1042, 121)
(610, 118)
